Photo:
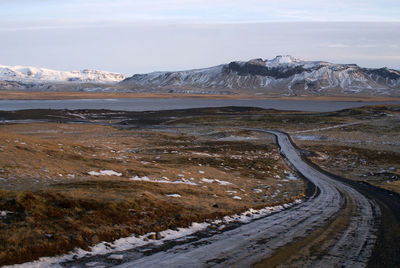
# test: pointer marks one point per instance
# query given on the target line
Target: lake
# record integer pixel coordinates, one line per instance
(151, 104)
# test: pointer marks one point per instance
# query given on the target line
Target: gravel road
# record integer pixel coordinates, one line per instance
(347, 222)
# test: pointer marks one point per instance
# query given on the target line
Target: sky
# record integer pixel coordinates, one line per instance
(130, 36)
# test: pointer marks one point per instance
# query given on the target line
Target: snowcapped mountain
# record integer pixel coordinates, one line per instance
(282, 75)
(34, 75)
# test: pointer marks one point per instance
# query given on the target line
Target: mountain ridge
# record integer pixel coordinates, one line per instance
(284, 74)
(30, 74)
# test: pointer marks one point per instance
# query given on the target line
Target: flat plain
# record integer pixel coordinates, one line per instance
(75, 178)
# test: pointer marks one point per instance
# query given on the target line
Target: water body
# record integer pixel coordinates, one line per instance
(151, 104)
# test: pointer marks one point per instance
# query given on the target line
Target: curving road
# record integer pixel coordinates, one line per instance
(335, 227)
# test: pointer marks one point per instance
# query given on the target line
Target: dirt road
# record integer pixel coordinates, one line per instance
(336, 226)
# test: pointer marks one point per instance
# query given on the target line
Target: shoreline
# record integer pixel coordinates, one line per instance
(64, 95)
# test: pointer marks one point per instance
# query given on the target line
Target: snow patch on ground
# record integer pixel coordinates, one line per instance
(231, 191)
(131, 242)
(105, 173)
(223, 182)
(292, 177)
(164, 180)
(217, 181)
(4, 213)
(207, 180)
(202, 154)
(173, 195)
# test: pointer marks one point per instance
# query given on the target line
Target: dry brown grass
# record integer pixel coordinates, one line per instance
(57, 206)
(65, 216)
(378, 167)
(368, 150)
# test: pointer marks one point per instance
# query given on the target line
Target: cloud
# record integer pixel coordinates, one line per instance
(335, 45)
(211, 11)
(143, 47)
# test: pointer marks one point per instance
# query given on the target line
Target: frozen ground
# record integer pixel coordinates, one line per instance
(334, 201)
(103, 254)
(246, 244)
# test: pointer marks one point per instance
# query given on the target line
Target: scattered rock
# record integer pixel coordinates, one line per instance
(158, 236)
(152, 236)
(108, 245)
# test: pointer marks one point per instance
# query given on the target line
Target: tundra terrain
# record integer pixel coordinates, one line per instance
(75, 178)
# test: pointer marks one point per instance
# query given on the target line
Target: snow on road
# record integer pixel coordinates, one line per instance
(257, 240)
(100, 254)
(254, 239)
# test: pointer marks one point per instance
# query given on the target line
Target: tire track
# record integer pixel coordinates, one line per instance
(251, 243)
(354, 246)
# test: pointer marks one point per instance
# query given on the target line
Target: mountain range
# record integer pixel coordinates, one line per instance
(34, 78)
(33, 74)
(286, 75)
(283, 75)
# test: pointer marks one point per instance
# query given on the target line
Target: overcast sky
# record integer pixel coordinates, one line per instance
(142, 36)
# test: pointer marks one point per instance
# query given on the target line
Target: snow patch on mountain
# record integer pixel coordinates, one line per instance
(284, 60)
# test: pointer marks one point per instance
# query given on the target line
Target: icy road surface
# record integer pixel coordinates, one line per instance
(259, 239)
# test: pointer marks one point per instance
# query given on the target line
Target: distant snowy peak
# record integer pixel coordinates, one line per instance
(286, 75)
(38, 75)
(282, 60)
(278, 61)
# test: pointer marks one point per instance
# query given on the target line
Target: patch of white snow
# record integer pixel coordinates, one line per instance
(105, 173)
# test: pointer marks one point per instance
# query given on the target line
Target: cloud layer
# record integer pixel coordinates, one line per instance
(143, 47)
(133, 36)
(211, 11)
